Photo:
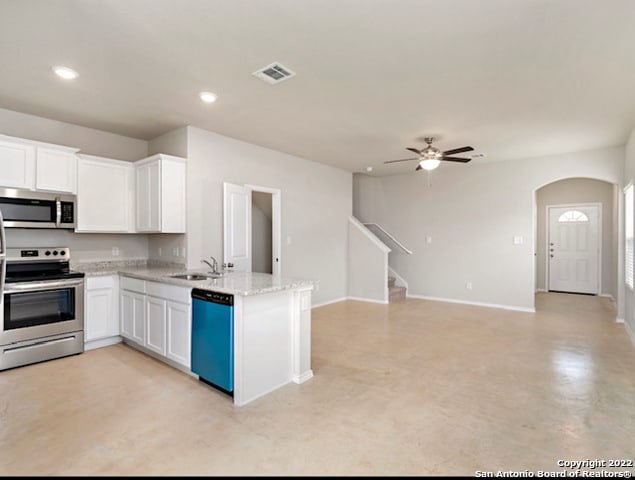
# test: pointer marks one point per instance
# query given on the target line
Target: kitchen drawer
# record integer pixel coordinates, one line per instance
(133, 284)
(107, 281)
(169, 292)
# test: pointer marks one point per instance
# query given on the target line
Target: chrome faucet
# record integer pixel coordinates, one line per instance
(213, 265)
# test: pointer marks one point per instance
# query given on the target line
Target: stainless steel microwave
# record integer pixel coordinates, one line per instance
(27, 209)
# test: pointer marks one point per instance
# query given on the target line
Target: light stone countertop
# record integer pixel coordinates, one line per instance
(237, 283)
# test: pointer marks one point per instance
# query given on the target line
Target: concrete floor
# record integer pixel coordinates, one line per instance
(411, 388)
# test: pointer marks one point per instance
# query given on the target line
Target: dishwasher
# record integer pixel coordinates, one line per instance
(213, 338)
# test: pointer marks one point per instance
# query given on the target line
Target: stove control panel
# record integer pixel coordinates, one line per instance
(49, 254)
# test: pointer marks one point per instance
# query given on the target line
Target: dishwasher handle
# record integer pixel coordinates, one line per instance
(213, 297)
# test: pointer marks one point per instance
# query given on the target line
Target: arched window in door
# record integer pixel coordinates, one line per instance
(573, 216)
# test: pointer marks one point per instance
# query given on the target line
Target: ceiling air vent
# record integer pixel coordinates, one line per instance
(274, 73)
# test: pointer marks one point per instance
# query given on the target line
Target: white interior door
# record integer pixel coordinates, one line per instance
(573, 249)
(237, 226)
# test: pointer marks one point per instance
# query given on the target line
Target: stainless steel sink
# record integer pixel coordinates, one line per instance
(190, 276)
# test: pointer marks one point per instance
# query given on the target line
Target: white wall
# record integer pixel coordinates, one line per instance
(472, 212)
(367, 265)
(89, 140)
(316, 203)
(579, 190)
(173, 142)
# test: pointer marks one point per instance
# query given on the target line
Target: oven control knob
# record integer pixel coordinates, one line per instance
(47, 253)
(62, 252)
(54, 252)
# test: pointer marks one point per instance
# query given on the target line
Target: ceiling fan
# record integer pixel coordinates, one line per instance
(430, 157)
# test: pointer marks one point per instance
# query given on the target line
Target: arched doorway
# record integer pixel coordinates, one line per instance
(562, 197)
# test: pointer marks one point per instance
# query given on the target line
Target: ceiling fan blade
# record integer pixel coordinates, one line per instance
(402, 160)
(456, 159)
(418, 152)
(458, 150)
(419, 167)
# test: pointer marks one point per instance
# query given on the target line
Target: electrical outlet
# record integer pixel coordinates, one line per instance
(468, 285)
(183, 252)
(428, 239)
(175, 251)
(115, 251)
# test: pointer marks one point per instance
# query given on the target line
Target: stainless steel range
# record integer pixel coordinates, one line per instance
(42, 306)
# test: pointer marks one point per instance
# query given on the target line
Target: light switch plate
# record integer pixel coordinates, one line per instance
(518, 240)
(304, 301)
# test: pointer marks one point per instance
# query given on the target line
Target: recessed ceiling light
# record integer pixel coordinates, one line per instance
(208, 97)
(369, 169)
(65, 73)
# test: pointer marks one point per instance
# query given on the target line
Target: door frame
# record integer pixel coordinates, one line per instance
(276, 225)
(599, 233)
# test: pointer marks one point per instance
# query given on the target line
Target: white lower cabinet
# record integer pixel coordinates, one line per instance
(133, 315)
(101, 309)
(179, 317)
(156, 324)
(157, 316)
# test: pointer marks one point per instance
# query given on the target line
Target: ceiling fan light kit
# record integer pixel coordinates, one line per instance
(430, 163)
(430, 157)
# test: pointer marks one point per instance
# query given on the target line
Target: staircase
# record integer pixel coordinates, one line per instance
(395, 293)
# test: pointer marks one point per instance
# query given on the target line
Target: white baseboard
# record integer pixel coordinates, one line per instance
(102, 342)
(303, 377)
(630, 332)
(357, 299)
(369, 300)
(540, 290)
(477, 304)
(607, 295)
(619, 320)
(337, 300)
(161, 358)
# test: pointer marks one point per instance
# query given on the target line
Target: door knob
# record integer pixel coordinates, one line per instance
(551, 255)
(551, 243)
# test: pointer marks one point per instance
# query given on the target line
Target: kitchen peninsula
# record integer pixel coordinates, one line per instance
(272, 321)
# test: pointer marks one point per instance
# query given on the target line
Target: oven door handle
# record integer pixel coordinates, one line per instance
(39, 286)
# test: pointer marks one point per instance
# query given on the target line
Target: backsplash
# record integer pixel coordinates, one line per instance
(85, 247)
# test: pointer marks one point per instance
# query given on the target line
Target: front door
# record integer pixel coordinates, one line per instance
(573, 249)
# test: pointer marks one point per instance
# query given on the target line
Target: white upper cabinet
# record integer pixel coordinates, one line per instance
(161, 194)
(35, 165)
(105, 195)
(56, 170)
(17, 164)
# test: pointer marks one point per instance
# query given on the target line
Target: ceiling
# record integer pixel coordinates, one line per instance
(513, 79)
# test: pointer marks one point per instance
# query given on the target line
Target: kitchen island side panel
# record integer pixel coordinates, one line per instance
(263, 344)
